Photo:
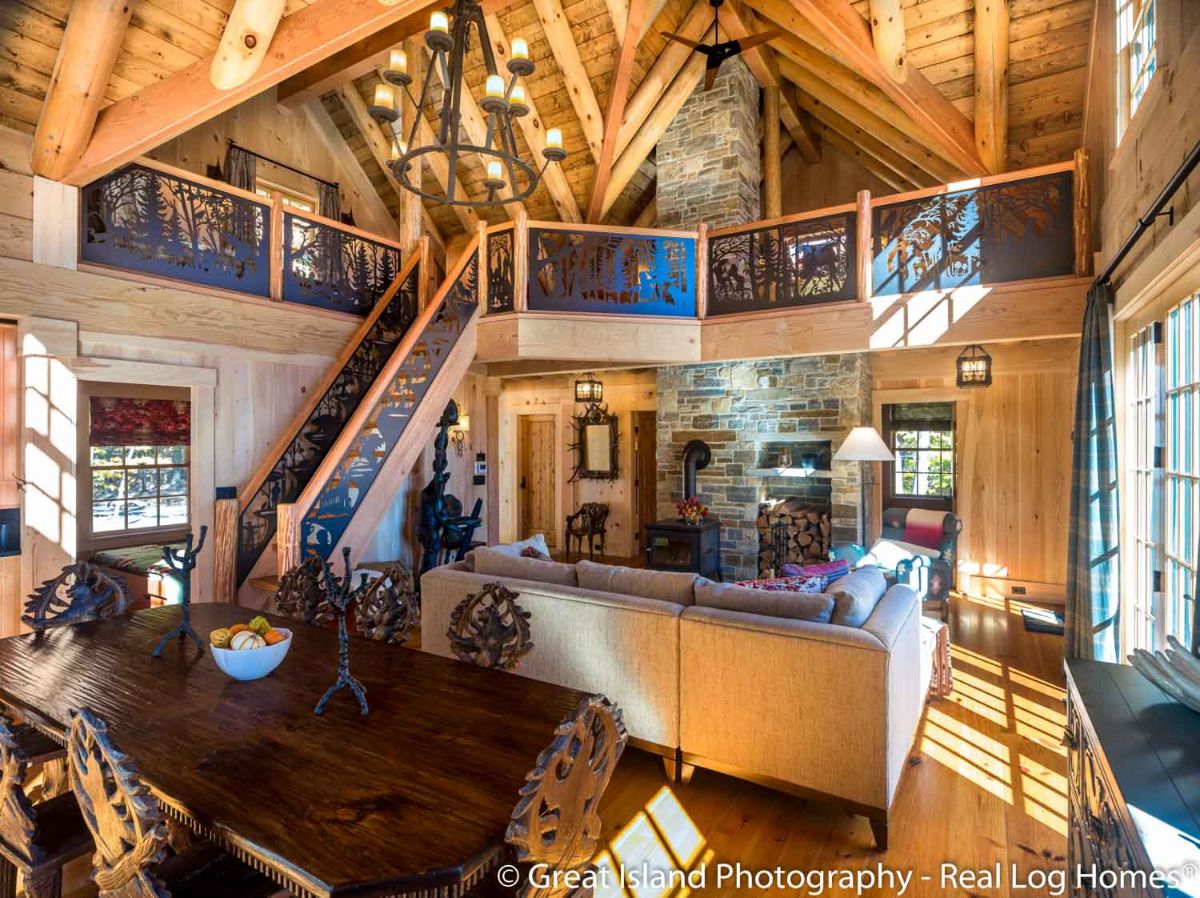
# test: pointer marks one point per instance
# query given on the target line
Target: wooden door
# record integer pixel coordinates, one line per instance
(537, 472)
(645, 476)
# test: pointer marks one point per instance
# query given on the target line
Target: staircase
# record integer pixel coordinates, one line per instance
(335, 471)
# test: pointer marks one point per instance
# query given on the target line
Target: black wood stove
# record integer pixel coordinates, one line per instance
(679, 546)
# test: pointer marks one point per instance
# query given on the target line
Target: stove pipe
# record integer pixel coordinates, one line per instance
(696, 456)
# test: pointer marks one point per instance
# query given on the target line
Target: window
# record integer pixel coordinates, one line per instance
(139, 487)
(921, 436)
(1182, 475)
(1144, 451)
(291, 200)
(1137, 57)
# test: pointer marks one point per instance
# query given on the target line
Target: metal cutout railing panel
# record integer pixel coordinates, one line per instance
(501, 271)
(295, 466)
(795, 263)
(1012, 231)
(142, 219)
(332, 268)
(614, 273)
(330, 513)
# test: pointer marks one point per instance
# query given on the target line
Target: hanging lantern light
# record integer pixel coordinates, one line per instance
(974, 367)
(588, 389)
(508, 177)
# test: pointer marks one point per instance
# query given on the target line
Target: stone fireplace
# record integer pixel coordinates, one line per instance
(755, 415)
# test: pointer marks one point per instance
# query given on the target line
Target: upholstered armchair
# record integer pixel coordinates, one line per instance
(587, 524)
(919, 546)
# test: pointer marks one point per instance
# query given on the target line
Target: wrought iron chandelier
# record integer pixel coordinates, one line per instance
(508, 177)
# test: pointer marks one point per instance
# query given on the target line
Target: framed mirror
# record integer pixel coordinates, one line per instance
(596, 444)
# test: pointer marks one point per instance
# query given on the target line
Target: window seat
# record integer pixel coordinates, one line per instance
(143, 568)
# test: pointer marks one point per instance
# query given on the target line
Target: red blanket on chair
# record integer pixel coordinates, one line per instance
(924, 527)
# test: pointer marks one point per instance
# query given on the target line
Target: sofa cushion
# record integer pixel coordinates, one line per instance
(828, 571)
(494, 562)
(671, 586)
(856, 595)
(817, 607)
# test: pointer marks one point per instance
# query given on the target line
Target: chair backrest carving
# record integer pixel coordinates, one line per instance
(388, 611)
(81, 592)
(18, 822)
(555, 821)
(127, 825)
(301, 593)
(590, 518)
(490, 629)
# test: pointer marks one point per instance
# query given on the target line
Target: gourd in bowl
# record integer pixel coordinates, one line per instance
(250, 654)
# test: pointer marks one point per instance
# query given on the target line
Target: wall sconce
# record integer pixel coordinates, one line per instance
(458, 434)
(588, 389)
(974, 367)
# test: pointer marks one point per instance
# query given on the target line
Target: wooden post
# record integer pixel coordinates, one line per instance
(863, 245)
(276, 247)
(482, 251)
(772, 162)
(225, 531)
(520, 265)
(1082, 215)
(991, 83)
(887, 34)
(244, 44)
(287, 538)
(701, 271)
(425, 284)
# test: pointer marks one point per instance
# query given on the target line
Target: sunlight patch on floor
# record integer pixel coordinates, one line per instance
(661, 838)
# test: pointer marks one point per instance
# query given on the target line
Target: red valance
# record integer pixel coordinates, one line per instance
(139, 422)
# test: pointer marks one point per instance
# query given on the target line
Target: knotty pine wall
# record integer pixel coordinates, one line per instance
(835, 180)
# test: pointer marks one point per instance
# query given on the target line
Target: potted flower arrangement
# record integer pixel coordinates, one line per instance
(692, 511)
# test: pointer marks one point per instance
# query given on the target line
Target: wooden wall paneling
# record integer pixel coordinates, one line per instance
(16, 195)
(10, 415)
(12, 598)
(835, 180)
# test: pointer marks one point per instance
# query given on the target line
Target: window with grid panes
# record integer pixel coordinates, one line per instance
(1182, 474)
(139, 488)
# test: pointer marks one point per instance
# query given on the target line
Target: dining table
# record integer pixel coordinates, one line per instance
(412, 798)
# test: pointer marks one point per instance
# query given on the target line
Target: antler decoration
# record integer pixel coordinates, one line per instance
(182, 562)
(340, 595)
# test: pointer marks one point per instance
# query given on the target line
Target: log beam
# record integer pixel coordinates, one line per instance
(772, 157)
(89, 49)
(579, 86)
(245, 42)
(991, 83)
(887, 34)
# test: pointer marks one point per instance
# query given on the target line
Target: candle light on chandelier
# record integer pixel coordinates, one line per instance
(383, 103)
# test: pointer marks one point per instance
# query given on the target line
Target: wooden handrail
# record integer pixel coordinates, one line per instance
(339, 226)
(331, 374)
(783, 219)
(609, 229)
(211, 183)
(1026, 174)
(366, 407)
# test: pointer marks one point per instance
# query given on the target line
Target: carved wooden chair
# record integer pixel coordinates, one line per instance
(587, 525)
(490, 629)
(555, 823)
(131, 833)
(81, 592)
(36, 839)
(389, 611)
(301, 593)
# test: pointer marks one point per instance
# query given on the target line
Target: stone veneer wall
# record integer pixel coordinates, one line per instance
(733, 406)
(709, 166)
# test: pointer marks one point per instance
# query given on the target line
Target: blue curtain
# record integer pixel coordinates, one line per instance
(1093, 596)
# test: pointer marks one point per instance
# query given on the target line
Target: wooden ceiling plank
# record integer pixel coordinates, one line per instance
(187, 98)
(622, 77)
(90, 44)
(245, 41)
(991, 83)
(533, 128)
(648, 216)
(909, 175)
(618, 11)
(579, 86)
(888, 37)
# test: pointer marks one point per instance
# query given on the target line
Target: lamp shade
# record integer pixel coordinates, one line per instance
(464, 424)
(864, 444)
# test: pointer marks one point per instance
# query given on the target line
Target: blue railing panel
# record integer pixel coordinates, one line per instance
(332, 268)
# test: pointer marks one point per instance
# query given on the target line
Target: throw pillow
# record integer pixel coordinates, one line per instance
(493, 563)
(828, 571)
(856, 595)
(816, 607)
(534, 552)
(537, 541)
(670, 586)
(786, 584)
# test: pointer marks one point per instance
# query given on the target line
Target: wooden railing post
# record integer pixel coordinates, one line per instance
(863, 246)
(276, 247)
(483, 265)
(425, 285)
(521, 262)
(1082, 215)
(225, 546)
(287, 538)
(701, 270)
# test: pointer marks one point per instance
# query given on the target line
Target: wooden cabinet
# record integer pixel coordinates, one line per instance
(1134, 786)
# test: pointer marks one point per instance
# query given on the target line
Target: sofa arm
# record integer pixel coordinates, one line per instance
(892, 613)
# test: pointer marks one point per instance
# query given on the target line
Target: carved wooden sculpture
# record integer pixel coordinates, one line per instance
(17, 822)
(388, 610)
(301, 594)
(126, 823)
(490, 629)
(555, 822)
(81, 592)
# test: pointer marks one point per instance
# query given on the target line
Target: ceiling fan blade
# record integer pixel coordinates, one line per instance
(748, 43)
(710, 75)
(681, 40)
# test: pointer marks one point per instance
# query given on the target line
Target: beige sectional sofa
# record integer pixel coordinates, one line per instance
(812, 707)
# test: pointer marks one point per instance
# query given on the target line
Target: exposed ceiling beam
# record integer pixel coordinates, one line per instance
(618, 11)
(772, 156)
(579, 86)
(187, 98)
(853, 151)
(798, 125)
(534, 130)
(245, 41)
(617, 95)
(943, 124)
(89, 49)
(991, 83)
(887, 34)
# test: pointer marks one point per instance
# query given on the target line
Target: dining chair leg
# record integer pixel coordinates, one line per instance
(8, 879)
(44, 883)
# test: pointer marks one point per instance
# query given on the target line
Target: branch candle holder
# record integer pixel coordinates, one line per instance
(182, 562)
(340, 595)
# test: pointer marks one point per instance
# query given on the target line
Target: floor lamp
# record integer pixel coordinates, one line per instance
(864, 444)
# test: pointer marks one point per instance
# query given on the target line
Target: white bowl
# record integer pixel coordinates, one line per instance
(251, 664)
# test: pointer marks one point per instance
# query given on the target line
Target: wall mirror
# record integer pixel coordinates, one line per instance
(596, 444)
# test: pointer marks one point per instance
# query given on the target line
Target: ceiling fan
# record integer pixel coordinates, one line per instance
(718, 51)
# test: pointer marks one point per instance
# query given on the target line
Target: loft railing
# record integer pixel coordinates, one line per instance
(314, 523)
(156, 220)
(287, 469)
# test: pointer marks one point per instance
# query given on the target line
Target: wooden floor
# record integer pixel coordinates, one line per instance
(986, 783)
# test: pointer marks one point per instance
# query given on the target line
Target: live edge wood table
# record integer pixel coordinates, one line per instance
(413, 798)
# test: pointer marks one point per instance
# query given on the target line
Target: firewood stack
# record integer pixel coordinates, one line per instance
(804, 533)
